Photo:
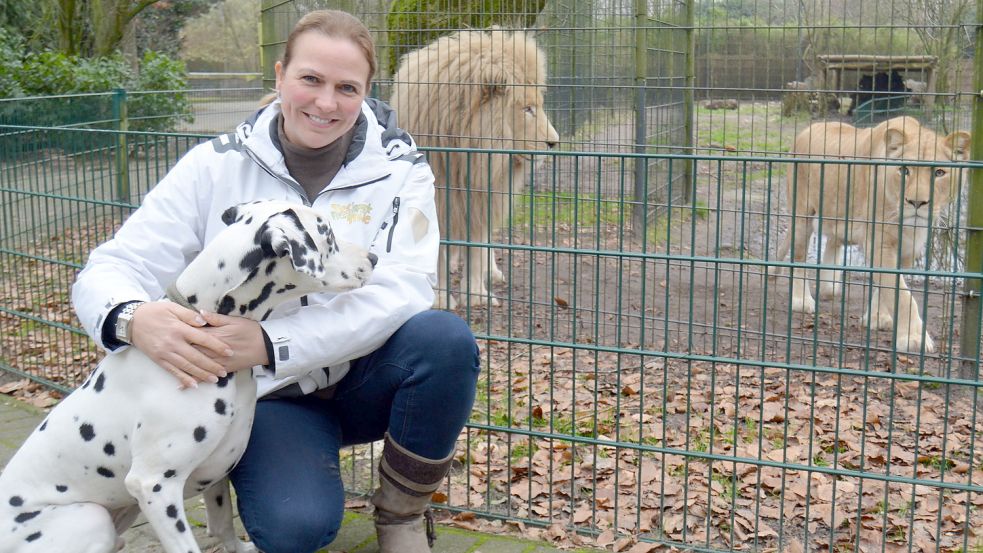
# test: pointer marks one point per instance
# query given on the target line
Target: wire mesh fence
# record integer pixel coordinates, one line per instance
(646, 371)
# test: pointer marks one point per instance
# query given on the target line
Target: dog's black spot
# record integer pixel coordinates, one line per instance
(100, 382)
(43, 425)
(252, 274)
(249, 220)
(221, 264)
(170, 473)
(308, 241)
(219, 500)
(263, 296)
(180, 526)
(61, 488)
(252, 259)
(223, 380)
(204, 483)
(242, 309)
(139, 425)
(109, 449)
(16, 501)
(310, 265)
(33, 537)
(193, 299)
(219, 406)
(344, 275)
(323, 229)
(24, 517)
(267, 314)
(200, 434)
(270, 268)
(156, 488)
(286, 287)
(87, 432)
(106, 472)
(172, 511)
(226, 305)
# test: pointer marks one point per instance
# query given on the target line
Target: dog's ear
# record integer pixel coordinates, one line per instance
(283, 235)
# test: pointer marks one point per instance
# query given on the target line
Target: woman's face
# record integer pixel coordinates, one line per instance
(322, 89)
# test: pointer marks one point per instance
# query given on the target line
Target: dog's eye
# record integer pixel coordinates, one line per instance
(940, 172)
(904, 171)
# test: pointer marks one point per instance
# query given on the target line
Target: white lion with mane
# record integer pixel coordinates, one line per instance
(476, 90)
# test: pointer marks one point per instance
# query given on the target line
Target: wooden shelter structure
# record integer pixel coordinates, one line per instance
(836, 66)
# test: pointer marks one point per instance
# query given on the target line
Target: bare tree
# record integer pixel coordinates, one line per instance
(942, 26)
(226, 36)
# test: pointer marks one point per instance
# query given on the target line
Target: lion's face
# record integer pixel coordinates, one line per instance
(533, 130)
(927, 189)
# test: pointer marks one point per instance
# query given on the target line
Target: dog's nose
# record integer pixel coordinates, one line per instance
(373, 259)
(917, 203)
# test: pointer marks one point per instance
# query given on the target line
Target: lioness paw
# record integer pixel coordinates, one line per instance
(880, 322)
(912, 343)
(803, 303)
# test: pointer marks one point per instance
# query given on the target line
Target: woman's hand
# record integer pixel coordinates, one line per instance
(244, 336)
(173, 337)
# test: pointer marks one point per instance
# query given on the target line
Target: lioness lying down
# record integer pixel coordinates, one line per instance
(887, 209)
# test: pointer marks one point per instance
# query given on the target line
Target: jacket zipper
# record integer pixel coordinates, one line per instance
(389, 242)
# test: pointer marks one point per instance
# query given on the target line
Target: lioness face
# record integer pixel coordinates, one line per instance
(927, 189)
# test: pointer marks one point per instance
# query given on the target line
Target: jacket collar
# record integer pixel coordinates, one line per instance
(377, 140)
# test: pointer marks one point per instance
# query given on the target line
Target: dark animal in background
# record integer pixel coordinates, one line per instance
(879, 85)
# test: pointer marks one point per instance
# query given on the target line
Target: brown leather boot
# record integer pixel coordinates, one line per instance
(403, 522)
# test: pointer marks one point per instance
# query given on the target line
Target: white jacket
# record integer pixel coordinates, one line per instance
(382, 198)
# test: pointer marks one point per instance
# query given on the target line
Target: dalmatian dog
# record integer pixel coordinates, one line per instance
(129, 441)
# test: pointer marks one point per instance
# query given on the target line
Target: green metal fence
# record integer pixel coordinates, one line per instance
(647, 383)
(643, 375)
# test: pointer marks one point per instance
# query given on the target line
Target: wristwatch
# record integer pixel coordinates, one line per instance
(124, 320)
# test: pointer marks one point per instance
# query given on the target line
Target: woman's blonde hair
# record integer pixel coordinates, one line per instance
(335, 24)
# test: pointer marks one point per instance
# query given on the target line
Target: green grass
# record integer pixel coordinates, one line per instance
(585, 210)
(771, 132)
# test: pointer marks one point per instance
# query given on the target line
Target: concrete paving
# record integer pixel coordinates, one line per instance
(18, 419)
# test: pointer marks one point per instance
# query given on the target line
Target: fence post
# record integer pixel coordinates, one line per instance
(122, 157)
(969, 332)
(641, 75)
(689, 102)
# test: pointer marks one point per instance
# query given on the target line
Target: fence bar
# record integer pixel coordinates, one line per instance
(121, 158)
(973, 287)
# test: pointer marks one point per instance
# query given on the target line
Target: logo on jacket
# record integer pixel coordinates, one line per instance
(352, 213)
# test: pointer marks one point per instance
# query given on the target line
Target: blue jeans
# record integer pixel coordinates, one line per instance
(419, 386)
